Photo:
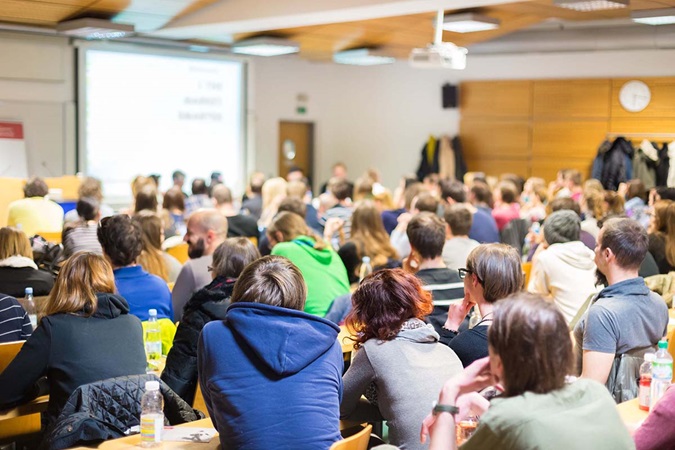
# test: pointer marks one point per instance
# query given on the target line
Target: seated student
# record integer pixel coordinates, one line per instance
(237, 224)
(35, 213)
(80, 235)
(17, 268)
(122, 244)
(173, 209)
(14, 321)
(368, 238)
(662, 235)
(207, 304)
(424, 201)
(426, 233)
(397, 353)
(530, 357)
(270, 373)
(506, 207)
(458, 244)
(563, 267)
(483, 225)
(493, 271)
(657, 432)
(152, 258)
(86, 335)
(90, 188)
(321, 267)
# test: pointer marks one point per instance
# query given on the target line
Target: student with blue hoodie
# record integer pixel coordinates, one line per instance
(271, 374)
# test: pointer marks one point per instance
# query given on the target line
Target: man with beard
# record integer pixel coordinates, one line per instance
(625, 316)
(206, 230)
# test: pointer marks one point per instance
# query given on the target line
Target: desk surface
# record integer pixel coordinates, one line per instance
(34, 406)
(631, 414)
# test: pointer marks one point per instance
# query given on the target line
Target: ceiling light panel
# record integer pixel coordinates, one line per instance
(469, 23)
(263, 46)
(94, 29)
(591, 5)
(664, 16)
(361, 57)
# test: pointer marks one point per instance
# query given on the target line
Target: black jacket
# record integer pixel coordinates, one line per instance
(616, 163)
(207, 304)
(72, 350)
(106, 409)
(15, 280)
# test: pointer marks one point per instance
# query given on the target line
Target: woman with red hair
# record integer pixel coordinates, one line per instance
(399, 365)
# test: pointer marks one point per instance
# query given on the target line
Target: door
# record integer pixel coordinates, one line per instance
(296, 147)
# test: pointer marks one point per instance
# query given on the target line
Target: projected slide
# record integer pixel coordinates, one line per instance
(144, 114)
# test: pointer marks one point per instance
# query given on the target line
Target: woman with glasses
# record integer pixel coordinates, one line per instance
(493, 271)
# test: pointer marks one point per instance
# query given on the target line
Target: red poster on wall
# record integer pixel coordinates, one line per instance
(13, 161)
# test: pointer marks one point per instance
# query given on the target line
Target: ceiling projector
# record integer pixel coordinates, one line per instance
(441, 55)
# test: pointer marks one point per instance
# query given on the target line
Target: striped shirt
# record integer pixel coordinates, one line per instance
(81, 238)
(446, 288)
(14, 322)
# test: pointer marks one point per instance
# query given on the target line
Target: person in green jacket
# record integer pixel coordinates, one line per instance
(321, 267)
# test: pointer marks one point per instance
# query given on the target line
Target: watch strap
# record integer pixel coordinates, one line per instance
(439, 408)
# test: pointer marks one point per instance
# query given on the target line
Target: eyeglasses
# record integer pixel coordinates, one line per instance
(463, 272)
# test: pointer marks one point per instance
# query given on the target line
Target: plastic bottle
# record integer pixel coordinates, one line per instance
(646, 381)
(152, 415)
(366, 268)
(153, 338)
(662, 373)
(30, 307)
(535, 228)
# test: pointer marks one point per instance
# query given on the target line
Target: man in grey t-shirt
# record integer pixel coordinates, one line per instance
(626, 315)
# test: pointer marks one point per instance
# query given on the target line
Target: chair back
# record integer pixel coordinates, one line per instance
(51, 236)
(527, 271)
(199, 402)
(358, 441)
(8, 350)
(180, 252)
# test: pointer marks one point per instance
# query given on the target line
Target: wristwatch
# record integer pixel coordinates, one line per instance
(438, 408)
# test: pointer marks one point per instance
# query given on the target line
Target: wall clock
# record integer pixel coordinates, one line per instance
(634, 96)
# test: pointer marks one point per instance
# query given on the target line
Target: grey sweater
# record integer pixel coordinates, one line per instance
(408, 373)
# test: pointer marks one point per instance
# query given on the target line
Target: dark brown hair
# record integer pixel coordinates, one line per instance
(173, 198)
(384, 301)
(35, 187)
(341, 190)
(459, 219)
(426, 202)
(453, 189)
(426, 233)
(294, 205)
(531, 338)
(499, 268)
(233, 255)
(146, 198)
(272, 280)
(121, 239)
(627, 239)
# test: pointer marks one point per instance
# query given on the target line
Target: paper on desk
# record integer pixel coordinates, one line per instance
(188, 434)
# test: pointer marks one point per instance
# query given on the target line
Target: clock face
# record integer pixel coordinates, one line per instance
(634, 96)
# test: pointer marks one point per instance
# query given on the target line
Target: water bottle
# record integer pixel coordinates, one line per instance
(662, 373)
(366, 268)
(645, 382)
(535, 228)
(30, 307)
(153, 339)
(152, 415)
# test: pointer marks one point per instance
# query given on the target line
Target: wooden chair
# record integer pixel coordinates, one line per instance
(253, 240)
(180, 252)
(8, 351)
(51, 236)
(527, 271)
(358, 441)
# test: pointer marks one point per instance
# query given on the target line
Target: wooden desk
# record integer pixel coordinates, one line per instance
(631, 414)
(34, 406)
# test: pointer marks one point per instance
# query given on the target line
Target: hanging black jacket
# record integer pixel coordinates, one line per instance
(663, 167)
(427, 167)
(207, 304)
(616, 163)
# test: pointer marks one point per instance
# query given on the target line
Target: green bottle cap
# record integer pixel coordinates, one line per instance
(663, 343)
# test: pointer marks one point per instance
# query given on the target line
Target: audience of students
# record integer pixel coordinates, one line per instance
(270, 373)
(35, 213)
(91, 188)
(122, 241)
(173, 213)
(321, 267)
(458, 244)
(397, 353)
(207, 304)
(530, 358)
(483, 227)
(199, 198)
(206, 230)
(237, 224)
(493, 271)
(86, 335)
(17, 268)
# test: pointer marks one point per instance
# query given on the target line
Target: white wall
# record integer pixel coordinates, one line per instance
(37, 89)
(381, 116)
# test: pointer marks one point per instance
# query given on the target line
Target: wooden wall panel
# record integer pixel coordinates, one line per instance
(662, 104)
(567, 139)
(491, 138)
(497, 166)
(571, 99)
(509, 99)
(642, 125)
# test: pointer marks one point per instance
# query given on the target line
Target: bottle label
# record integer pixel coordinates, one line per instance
(152, 426)
(662, 370)
(644, 394)
(33, 320)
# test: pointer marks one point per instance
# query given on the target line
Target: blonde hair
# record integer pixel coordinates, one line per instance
(369, 235)
(151, 258)
(14, 242)
(81, 277)
(273, 191)
(291, 226)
